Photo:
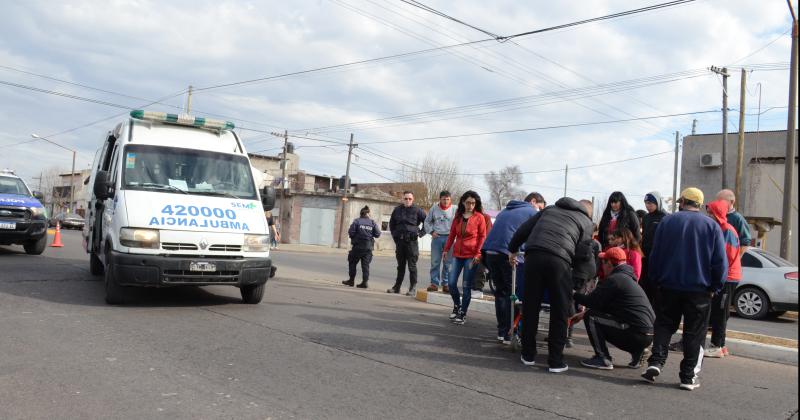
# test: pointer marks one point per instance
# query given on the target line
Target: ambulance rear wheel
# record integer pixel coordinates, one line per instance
(36, 247)
(252, 294)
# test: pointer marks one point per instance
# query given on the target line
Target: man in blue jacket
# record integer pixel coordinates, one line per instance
(496, 249)
(688, 264)
(363, 232)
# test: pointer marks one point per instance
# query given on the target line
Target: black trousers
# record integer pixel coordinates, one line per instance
(407, 253)
(694, 308)
(500, 270)
(720, 311)
(649, 286)
(603, 328)
(546, 271)
(359, 255)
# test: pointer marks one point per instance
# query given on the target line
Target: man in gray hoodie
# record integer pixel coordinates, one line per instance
(437, 224)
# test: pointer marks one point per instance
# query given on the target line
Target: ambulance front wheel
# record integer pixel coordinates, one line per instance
(95, 265)
(114, 292)
(252, 294)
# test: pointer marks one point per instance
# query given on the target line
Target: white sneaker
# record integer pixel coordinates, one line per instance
(690, 385)
(527, 363)
(477, 294)
(714, 352)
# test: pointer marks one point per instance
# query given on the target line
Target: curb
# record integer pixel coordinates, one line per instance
(752, 346)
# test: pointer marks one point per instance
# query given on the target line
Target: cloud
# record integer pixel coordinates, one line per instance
(151, 49)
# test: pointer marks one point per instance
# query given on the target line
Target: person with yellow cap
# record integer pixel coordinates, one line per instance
(689, 265)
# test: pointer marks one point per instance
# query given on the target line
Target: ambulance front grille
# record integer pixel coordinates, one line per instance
(177, 246)
(227, 248)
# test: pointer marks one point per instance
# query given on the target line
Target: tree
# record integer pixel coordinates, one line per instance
(504, 185)
(436, 174)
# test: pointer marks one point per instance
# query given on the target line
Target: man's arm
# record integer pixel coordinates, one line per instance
(599, 299)
(376, 231)
(428, 225)
(522, 233)
(393, 221)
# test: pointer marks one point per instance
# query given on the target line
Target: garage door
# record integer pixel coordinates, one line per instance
(316, 226)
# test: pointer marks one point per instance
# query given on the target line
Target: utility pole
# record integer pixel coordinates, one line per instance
(71, 175)
(724, 73)
(283, 177)
(346, 187)
(740, 146)
(189, 100)
(39, 188)
(791, 140)
(675, 173)
(566, 172)
(694, 126)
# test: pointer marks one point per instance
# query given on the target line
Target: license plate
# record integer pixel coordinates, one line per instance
(8, 225)
(202, 266)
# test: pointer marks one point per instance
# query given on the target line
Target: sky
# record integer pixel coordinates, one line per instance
(604, 98)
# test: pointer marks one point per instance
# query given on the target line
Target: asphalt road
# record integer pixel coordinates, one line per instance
(333, 269)
(311, 349)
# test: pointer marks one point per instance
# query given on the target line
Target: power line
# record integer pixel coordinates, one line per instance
(553, 127)
(425, 51)
(436, 12)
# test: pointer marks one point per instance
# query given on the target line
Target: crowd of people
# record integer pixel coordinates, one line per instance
(632, 278)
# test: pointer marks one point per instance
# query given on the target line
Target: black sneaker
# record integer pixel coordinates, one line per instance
(460, 319)
(691, 384)
(636, 360)
(411, 292)
(597, 362)
(650, 374)
(559, 368)
(349, 283)
(362, 285)
(455, 312)
(392, 290)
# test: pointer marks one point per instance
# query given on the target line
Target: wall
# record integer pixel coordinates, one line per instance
(760, 197)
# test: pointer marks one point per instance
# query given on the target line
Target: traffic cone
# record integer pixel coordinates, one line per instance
(57, 239)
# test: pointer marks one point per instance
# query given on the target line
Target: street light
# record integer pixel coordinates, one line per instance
(71, 175)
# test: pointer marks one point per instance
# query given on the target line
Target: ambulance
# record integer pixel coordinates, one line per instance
(174, 202)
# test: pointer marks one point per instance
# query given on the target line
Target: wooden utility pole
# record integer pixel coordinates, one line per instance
(791, 140)
(724, 73)
(740, 145)
(675, 173)
(189, 100)
(566, 172)
(346, 188)
(284, 184)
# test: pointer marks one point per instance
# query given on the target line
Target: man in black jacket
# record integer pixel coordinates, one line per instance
(550, 237)
(655, 212)
(363, 232)
(405, 227)
(618, 313)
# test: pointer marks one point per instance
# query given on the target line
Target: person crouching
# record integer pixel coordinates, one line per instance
(618, 313)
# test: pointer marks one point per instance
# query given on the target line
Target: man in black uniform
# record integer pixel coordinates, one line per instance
(362, 232)
(405, 227)
(619, 313)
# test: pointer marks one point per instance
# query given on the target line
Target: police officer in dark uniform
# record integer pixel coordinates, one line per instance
(363, 232)
(405, 227)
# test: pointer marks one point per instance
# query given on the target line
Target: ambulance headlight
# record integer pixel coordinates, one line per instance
(139, 238)
(256, 243)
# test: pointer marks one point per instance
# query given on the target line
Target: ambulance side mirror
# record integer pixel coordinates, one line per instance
(268, 198)
(101, 185)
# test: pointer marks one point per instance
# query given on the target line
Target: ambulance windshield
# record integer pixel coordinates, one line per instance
(187, 171)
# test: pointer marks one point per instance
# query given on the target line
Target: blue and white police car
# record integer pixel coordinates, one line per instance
(23, 219)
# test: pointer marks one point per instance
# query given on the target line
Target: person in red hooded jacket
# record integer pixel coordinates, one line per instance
(720, 305)
(467, 234)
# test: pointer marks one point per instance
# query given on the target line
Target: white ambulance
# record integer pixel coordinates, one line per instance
(174, 202)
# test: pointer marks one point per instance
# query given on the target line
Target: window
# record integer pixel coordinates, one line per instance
(751, 261)
(196, 172)
(9, 185)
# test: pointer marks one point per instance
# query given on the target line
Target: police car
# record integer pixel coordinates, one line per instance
(175, 202)
(23, 219)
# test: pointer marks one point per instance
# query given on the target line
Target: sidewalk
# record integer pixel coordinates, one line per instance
(322, 249)
(742, 344)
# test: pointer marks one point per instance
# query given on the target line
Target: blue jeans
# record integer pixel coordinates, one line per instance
(437, 246)
(469, 268)
(500, 270)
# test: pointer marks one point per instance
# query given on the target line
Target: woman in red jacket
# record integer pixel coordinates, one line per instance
(467, 234)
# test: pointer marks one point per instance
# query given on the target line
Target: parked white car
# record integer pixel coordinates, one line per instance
(768, 286)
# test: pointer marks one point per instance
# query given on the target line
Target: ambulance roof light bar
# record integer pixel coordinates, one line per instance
(182, 119)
